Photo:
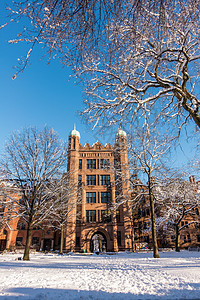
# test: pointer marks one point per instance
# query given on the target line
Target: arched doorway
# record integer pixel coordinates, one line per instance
(98, 242)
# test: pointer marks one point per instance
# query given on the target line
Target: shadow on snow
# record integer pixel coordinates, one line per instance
(51, 294)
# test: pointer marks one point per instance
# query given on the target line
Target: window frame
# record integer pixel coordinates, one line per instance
(105, 180)
(91, 164)
(91, 179)
(105, 197)
(91, 216)
(91, 197)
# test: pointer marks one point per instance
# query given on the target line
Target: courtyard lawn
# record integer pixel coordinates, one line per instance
(118, 276)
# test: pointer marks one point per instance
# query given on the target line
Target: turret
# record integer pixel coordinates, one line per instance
(74, 139)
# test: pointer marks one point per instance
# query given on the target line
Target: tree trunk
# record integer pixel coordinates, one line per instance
(61, 239)
(177, 249)
(153, 222)
(28, 243)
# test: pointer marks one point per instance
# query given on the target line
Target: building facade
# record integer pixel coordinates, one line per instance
(102, 218)
(99, 223)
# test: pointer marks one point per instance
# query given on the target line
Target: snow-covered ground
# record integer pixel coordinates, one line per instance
(120, 276)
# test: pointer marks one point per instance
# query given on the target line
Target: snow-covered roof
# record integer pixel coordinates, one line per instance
(74, 132)
(121, 132)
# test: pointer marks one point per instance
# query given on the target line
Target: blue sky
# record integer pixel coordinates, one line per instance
(44, 95)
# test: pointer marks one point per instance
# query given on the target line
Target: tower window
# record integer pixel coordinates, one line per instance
(91, 179)
(119, 238)
(118, 216)
(90, 216)
(105, 197)
(105, 179)
(91, 163)
(78, 241)
(91, 197)
(80, 164)
(105, 164)
(79, 179)
(105, 216)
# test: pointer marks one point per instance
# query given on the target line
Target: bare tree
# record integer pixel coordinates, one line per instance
(134, 55)
(179, 199)
(147, 152)
(32, 158)
(67, 193)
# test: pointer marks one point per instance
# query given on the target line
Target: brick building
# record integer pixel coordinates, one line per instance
(8, 219)
(189, 235)
(97, 224)
(104, 219)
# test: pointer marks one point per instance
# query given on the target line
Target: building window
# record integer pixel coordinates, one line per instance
(79, 179)
(91, 163)
(105, 179)
(90, 216)
(36, 241)
(105, 197)
(78, 241)
(105, 216)
(197, 211)
(118, 216)
(188, 238)
(148, 212)
(2, 208)
(105, 164)
(23, 227)
(91, 179)
(142, 199)
(19, 241)
(198, 238)
(119, 238)
(145, 225)
(146, 238)
(91, 197)
(182, 223)
(80, 164)
(143, 213)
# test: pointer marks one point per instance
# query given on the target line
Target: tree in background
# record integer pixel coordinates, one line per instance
(178, 200)
(32, 158)
(147, 153)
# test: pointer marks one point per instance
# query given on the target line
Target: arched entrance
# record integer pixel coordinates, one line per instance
(98, 242)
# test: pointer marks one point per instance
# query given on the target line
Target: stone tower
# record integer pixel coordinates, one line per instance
(99, 223)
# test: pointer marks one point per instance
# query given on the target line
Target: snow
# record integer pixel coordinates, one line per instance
(101, 277)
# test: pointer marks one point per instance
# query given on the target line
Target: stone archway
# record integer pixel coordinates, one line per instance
(98, 242)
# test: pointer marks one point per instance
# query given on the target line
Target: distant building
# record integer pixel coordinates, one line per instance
(8, 221)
